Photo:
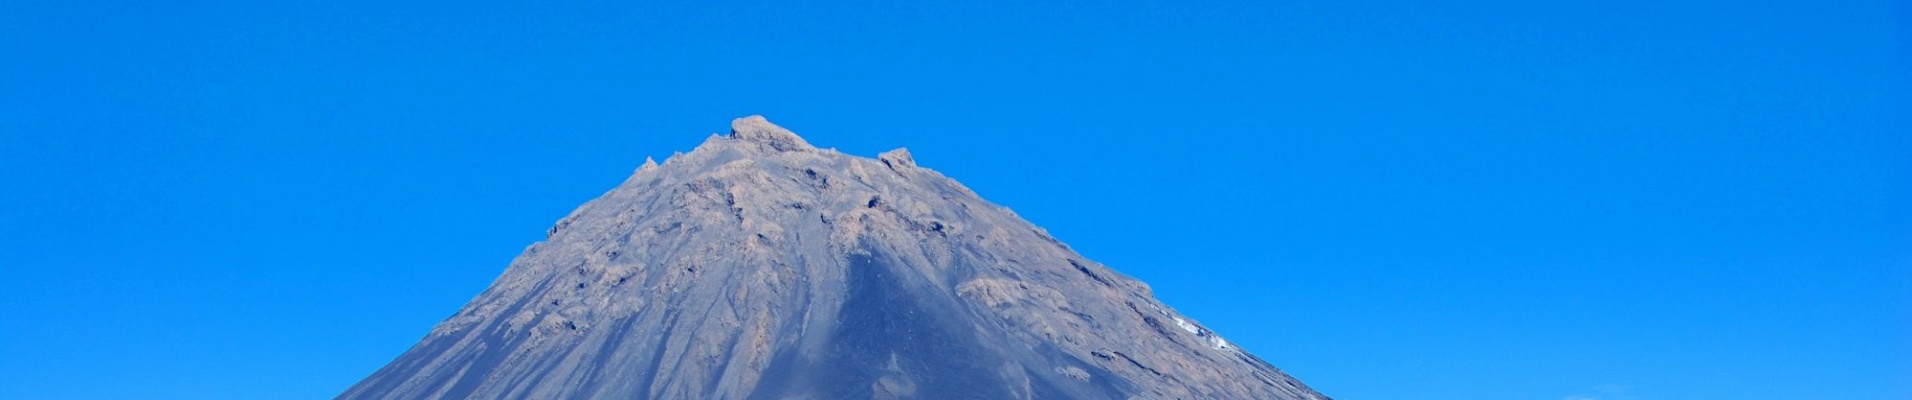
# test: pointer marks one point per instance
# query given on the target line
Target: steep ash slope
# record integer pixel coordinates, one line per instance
(758, 266)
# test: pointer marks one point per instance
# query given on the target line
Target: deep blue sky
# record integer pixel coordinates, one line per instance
(1613, 200)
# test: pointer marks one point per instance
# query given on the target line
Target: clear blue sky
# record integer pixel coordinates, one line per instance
(1613, 200)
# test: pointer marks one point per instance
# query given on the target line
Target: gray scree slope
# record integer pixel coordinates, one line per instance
(760, 267)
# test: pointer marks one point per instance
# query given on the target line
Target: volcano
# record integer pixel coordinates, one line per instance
(760, 267)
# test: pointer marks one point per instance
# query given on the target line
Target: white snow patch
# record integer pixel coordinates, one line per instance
(1191, 328)
(1214, 340)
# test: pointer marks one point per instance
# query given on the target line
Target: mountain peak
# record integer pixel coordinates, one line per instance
(757, 129)
(758, 267)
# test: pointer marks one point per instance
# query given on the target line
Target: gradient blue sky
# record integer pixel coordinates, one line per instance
(1615, 200)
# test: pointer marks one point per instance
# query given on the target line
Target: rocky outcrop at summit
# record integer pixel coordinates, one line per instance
(758, 266)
